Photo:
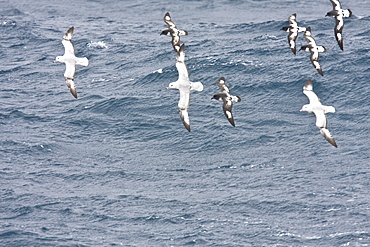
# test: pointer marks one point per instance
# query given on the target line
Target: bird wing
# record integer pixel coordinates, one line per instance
(292, 37)
(70, 70)
(338, 30)
(168, 21)
(227, 107)
(292, 19)
(72, 87)
(325, 132)
(67, 42)
(321, 121)
(180, 64)
(183, 106)
(221, 83)
(184, 115)
(308, 91)
(336, 5)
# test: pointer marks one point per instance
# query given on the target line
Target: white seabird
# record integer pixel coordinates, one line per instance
(314, 49)
(338, 13)
(293, 30)
(70, 60)
(319, 110)
(228, 99)
(173, 32)
(184, 85)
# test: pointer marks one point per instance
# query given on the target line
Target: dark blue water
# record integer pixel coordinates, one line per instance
(117, 167)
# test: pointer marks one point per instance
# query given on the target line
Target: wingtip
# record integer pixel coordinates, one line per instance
(326, 134)
(294, 50)
(167, 14)
(340, 43)
(187, 126)
(222, 78)
(73, 92)
(231, 121)
(308, 85)
(71, 29)
(332, 142)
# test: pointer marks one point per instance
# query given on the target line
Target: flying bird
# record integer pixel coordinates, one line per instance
(173, 32)
(313, 49)
(338, 13)
(70, 60)
(293, 30)
(228, 99)
(184, 85)
(319, 110)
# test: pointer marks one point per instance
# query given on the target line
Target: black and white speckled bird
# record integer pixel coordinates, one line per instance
(338, 13)
(293, 30)
(313, 49)
(228, 99)
(173, 32)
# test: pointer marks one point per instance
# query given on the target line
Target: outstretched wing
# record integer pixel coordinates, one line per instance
(338, 30)
(183, 106)
(184, 115)
(336, 5)
(221, 83)
(180, 64)
(308, 36)
(168, 21)
(67, 42)
(292, 19)
(292, 37)
(227, 107)
(72, 87)
(70, 70)
(325, 133)
(308, 91)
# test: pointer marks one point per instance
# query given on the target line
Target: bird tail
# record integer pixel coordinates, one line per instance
(321, 48)
(329, 109)
(197, 86)
(236, 98)
(82, 61)
(347, 13)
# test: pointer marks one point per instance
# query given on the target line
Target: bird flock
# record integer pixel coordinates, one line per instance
(338, 13)
(315, 105)
(185, 86)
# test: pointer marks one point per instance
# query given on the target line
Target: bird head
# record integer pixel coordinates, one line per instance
(306, 108)
(173, 85)
(58, 59)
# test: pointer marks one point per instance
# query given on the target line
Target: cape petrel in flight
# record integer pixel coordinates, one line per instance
(228, 99)
(173, 32)
(313, 49)
(338, 13)
(293, 30)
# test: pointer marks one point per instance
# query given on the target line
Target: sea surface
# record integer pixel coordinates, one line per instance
(116, 167)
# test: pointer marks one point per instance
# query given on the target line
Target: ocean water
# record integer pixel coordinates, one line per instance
(116, 167)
